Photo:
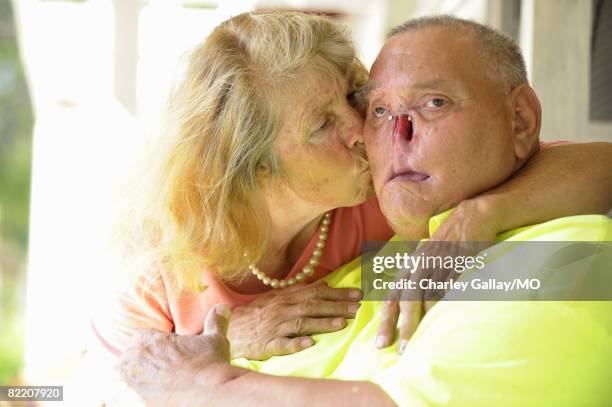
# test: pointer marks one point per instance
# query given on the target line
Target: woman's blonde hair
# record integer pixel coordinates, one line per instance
(203, 206)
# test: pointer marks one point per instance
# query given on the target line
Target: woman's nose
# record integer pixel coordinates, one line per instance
(353, 133)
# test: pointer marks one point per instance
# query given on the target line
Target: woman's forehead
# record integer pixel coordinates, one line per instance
(315, 93)
(306, 102)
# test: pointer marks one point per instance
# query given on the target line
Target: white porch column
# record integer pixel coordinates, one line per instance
(555, 38)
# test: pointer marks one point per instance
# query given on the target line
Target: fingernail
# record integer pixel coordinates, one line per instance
(402, 345)
(306, 343)
(355, 294)
(223, 310)
(353, 307)
(338, 322)
(380, 341)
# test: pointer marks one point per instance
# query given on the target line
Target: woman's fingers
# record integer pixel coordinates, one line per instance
(285, 346)
(309, 326)
(410, 317)
(302, 310)
(322, 308)
(285, 343)
(388, 322)
(321, 291)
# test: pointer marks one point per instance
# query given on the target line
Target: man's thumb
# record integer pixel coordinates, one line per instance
(217, 320)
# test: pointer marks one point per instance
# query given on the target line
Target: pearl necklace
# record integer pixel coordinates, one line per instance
(308, 270)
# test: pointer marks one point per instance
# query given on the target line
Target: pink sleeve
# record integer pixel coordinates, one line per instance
(136, 305)
(548, 144)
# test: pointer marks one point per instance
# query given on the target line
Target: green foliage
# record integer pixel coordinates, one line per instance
(16, 122)
(15, 137)
(11, 340)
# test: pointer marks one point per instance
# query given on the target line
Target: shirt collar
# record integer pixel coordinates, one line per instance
(434, 223)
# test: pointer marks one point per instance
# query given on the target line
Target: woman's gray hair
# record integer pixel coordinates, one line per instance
(202, 206)
(500, 52)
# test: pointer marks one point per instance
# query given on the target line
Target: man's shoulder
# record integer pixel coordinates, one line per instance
(571, 228)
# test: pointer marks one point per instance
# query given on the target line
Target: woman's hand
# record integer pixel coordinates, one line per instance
(166, 369)
(470, 222)
(279, 322)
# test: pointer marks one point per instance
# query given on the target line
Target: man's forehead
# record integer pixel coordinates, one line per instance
(396, 68)
(433, 47)
(429, 40)
(410, 71)
(405, 62)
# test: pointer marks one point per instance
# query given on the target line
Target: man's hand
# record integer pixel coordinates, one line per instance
(169, 369)
(467, 231)
(279, 322)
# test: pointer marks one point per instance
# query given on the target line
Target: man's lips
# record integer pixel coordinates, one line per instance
(408, 175)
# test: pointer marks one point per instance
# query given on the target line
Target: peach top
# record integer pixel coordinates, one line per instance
(151, 303)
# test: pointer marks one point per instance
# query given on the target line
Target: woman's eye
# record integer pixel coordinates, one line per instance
(379, 111)
(323, 125)
(351, 98)
(435, 103)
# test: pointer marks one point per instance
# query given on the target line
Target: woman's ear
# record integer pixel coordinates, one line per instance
(263, 174)
(526, 120)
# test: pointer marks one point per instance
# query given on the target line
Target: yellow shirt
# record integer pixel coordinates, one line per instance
(471, 353)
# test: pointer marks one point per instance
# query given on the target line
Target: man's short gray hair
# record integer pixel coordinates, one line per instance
(500, 52)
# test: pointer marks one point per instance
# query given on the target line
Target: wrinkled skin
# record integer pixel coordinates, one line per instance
(279, 322)
(149, 365)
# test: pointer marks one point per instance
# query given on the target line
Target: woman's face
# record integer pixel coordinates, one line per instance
(320, 145)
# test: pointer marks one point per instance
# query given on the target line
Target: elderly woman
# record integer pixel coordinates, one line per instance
(261, 187)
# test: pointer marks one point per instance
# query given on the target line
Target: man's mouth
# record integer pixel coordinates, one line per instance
(408, 175)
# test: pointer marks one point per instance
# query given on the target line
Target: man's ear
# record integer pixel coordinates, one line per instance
(526, 117)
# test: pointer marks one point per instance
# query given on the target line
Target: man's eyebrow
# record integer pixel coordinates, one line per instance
(370, 86)
(359, 97)
(365, 90)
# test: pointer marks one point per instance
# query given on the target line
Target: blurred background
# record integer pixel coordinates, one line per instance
(83, 82)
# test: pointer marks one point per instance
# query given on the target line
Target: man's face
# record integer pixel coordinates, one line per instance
(458, 140)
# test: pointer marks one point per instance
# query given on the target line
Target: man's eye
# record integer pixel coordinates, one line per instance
(435, 102)
(379, 111)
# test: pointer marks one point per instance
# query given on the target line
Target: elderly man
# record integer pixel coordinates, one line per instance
(440, 127)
